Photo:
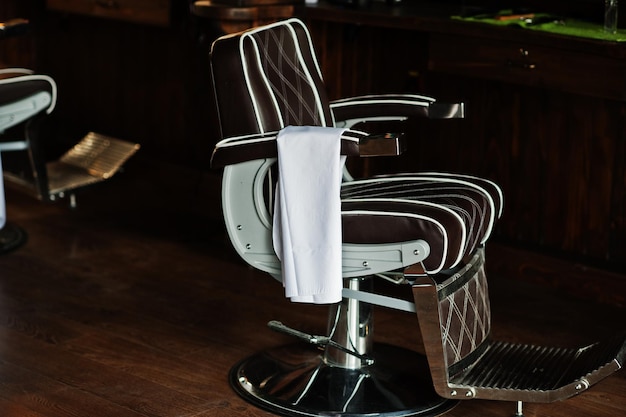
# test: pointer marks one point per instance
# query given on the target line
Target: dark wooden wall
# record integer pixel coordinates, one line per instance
(139, 82)
(560, 158)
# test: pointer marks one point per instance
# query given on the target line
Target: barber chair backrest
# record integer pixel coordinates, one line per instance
(267, 80)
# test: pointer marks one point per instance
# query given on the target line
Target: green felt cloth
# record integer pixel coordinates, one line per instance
(568, 27)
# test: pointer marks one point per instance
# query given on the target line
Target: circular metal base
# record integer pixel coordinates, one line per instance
(294, 381)
(11, 237)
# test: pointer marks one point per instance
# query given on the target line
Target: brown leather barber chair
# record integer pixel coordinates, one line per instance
(424, 231)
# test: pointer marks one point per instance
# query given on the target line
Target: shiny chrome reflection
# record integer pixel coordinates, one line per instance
(342, 374)
(350, 326)
(295, 380)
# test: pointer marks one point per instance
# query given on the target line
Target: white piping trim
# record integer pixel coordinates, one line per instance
(444, 179)
(496, 186)
(247, 77)
(249, 35)
(16, 70)
(236, 141)
(36, 77)
(252, 136)
(370, 102)
(387, 96)
(318, 101)
(421, 217)
(259, 138)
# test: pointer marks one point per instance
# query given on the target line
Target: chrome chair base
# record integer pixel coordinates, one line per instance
(11, 237)
(294, 380)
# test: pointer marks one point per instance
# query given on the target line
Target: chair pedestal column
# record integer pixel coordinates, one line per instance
(350, 324)
(302, 380)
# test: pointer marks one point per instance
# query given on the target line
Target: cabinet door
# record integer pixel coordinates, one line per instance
(591, 74)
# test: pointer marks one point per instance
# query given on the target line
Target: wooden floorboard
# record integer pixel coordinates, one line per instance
(134, 304)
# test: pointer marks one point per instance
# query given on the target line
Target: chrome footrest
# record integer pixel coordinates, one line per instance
(95, 158)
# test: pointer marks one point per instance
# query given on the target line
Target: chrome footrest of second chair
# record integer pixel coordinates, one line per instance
(95, 158)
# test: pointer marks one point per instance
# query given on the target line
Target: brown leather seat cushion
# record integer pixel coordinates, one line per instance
(454, 214)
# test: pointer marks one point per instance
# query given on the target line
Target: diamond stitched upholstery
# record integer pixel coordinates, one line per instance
(283, 79)
(454, 315)
(470, 202)
(465, 315)
(288, 78)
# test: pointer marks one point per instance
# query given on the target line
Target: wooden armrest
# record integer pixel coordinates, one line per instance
(439, 110)
(247, 148)
(389, 144)
(352, 111)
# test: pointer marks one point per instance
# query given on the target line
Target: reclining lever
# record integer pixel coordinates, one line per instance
(316, 340)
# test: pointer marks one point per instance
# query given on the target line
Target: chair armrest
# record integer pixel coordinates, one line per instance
(260, 146)
(13, 27)
(389, 144)
(350, 111)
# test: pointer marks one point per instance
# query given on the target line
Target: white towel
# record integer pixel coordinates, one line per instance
(307, 213)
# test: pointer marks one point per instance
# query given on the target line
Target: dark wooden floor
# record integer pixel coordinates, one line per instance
(135, 305)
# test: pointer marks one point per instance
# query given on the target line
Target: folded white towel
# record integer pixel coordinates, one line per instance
(307, 213)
